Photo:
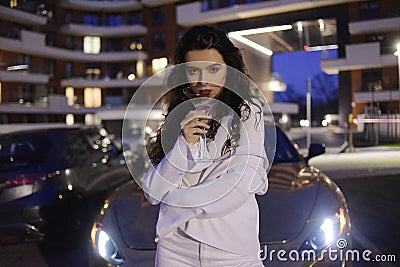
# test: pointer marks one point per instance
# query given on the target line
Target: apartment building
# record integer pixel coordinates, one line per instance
(65, 60)
(369, 69)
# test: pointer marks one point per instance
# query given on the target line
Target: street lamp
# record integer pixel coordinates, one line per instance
(397, 53)
(308, 111)
(276, 83)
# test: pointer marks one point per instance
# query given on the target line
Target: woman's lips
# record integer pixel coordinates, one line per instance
(205, 92)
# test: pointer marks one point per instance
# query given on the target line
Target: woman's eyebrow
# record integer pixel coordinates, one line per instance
(214, 65)
(209, 66)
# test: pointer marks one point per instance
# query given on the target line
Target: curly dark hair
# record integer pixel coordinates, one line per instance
(201, 38)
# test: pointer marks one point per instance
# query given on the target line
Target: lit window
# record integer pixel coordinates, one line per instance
(131, 76)
(321, 24)
(92, 97)
(299, 26)
(69, 119)
(140, 68)
(91, 119)
(93, 73)
(91, 44)
(135, 46)
(159, 64)
(69, 93)
(13, 3)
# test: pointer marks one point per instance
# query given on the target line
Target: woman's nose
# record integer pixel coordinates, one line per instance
(204, 77)
(201, 79)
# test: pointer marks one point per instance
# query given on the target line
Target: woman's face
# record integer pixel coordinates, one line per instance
(206, 72)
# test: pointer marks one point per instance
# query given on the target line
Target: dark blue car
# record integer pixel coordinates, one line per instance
(51, 176)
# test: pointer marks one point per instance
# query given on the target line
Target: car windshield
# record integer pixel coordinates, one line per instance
(21, 150)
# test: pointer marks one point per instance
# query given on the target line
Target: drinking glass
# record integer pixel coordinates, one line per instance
(203, 104)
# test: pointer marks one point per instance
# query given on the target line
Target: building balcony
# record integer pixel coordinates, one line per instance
(103, 31)
(358, 57)
(32, 43)
(56, 104)
(282, 107)
(23, 77)
(102, 6)
(375, 26)
(376, 96)
(153, 3)
(78, 82)
(21, 17)
(191, 14)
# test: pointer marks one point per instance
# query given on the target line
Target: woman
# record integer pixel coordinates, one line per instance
(208, 212)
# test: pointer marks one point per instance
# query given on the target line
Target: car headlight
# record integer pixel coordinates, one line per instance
(105, 245)
(329, 230)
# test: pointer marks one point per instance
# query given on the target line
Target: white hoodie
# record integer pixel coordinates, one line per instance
(213, 201)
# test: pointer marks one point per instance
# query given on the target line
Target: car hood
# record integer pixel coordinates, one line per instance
(135, 217)
(286, 207)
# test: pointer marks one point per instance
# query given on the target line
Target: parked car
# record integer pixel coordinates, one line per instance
(51, 176)
(303, 211)
(135, 126)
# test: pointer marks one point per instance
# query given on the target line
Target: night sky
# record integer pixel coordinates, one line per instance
(295, 67)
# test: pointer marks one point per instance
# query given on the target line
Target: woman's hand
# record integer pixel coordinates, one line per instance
(193, 125)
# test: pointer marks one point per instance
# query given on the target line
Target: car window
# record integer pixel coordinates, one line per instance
(89, 142)
(22, 150)
(285, 150)
(78, 145)
(100, 141)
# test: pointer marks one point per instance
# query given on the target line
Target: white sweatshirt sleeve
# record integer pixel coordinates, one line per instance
(167, 174)
(224, 194)
(225, 190)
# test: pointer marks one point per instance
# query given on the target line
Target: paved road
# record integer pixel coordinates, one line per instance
(32, 255)
(21, 256)
(374, 212)
(369, 178)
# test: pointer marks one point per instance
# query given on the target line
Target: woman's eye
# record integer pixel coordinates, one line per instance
(213, 69)
(192, 71)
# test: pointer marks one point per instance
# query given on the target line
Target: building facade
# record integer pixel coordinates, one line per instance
(65, 60)
(76, 57)
(369, 70)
